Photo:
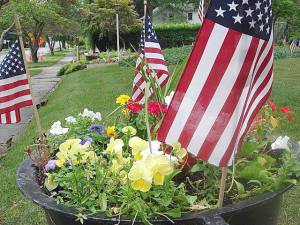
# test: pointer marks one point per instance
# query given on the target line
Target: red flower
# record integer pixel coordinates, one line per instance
(259, 117)
(134, 107)
(272, 105)
(288, 112)
(157, 108)
(285, 110)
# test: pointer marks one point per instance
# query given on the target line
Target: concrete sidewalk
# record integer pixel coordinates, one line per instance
(42, 86)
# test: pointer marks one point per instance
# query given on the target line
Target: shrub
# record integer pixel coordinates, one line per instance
(172, 56)
(71, 67)
(282, 52)
(177, 55)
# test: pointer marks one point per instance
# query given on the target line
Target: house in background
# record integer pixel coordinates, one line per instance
(186, 13)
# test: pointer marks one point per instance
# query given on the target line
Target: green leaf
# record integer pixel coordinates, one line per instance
(102, 201)
(240, 187)
(175, 213)
(51, 186)
(191, 199)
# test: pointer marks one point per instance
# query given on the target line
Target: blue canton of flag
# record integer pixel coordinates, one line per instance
(250, 17)
(14, 87)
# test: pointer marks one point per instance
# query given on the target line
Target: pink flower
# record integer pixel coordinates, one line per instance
(134, 107)
(157, 108)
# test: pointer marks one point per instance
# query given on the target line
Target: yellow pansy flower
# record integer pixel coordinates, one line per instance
(92, 157)
(67, 145)
(138, 145)
(115, 146)
(111, 131)
(122, 100)
(160, 167)
(78, 154)
(140, 176)
(129, 130)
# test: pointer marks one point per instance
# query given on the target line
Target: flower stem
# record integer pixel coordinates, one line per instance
(147, 116)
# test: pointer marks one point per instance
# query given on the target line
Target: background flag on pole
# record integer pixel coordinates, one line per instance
(149, 52)
(14, 87)
(294, 44)
(201, 11)
(226, 81)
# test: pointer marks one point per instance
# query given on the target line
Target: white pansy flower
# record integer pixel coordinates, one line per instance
(98, 116)
(87, 113)
(57, 129)
(71, 119)
(169, 98)
(281, 143)
(90, 114)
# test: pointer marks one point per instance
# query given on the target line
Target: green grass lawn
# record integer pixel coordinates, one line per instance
(96, 89)
(50, 60)
(35, 71)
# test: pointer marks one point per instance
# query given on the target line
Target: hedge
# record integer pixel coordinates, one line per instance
(169, 35)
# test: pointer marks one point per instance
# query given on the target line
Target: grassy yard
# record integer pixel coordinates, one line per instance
(104, 84)
(50, 60)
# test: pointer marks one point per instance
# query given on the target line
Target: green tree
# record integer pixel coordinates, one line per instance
(99, 18)
(35, 16)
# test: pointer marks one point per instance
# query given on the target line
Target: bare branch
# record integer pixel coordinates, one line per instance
(3, 35)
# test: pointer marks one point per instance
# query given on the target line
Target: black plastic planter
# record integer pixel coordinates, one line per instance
(260, 210)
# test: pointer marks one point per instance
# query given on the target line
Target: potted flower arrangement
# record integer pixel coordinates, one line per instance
(93, 170)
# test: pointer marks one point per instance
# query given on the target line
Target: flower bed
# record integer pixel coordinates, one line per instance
(98, 166)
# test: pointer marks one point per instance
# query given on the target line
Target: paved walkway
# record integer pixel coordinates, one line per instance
(42, 86)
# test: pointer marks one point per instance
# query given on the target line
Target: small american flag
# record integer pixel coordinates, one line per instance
(226, 81)
(150, 52)
(201, 11)
(294, 44)
(14, 87)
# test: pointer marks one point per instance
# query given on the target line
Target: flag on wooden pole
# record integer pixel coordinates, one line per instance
(201, 11)
(14, 86)
(150, 53)
(226, 81)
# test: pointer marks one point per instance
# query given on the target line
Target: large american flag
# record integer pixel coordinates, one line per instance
(150, 53)
(14, 88)
(226, 81)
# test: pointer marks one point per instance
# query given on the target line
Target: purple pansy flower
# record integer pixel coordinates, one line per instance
(88, 139)
(51, 165)
(96, 128)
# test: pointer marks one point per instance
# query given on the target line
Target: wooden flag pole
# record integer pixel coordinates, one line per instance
(222, 187)
(35, 111)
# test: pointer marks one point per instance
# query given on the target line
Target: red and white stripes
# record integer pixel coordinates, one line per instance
(14, 94)
(227, 80)
(201, 11)
(154, 58)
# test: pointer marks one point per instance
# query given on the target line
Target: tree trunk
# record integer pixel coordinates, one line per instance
(50, 44)
(63, 42)
(60, 49)
(34, 54)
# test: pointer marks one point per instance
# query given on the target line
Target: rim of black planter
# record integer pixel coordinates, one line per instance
(26, 181)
